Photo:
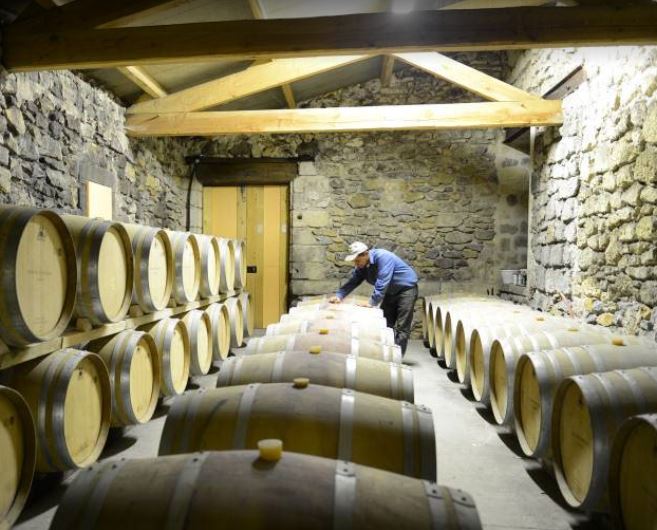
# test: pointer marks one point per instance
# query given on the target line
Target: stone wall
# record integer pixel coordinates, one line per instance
(57, 130)
(435, 198)
(594, 188)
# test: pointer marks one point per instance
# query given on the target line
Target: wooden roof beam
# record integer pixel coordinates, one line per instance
(245, 83)
(466, 77)
(139, 77)
(392, 117)
(373, 33)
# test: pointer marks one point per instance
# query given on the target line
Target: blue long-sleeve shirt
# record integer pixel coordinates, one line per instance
(384, 270)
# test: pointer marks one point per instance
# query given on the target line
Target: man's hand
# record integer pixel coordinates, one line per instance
(365, 304)
(334, 300)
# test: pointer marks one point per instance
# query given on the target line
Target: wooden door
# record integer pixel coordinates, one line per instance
(259, 215)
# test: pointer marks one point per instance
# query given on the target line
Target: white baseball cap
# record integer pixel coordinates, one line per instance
(357, 247)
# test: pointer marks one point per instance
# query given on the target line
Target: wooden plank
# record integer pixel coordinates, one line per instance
(139, 77)
(250, 81)
(496, 4)
(391, 117)
(386, 69)
(255, 244)
(92, 14)
(220, 211)
(289, 96)
(271, 251)
(466, 77)
(237, 172)
(284, 248)
(372, 33)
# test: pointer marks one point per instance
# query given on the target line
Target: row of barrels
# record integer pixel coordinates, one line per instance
(56, 267)
(578, 397)
(56, 412)
(303, 438)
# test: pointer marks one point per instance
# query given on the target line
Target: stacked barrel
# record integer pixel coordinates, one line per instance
(65, 271)
(578, 397)
(313, 426)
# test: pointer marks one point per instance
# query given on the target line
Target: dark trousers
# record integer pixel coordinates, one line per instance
(398, 306)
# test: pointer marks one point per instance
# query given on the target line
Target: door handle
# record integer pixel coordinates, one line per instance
(252, 269)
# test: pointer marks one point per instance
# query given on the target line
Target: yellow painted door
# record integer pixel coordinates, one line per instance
(259, 215)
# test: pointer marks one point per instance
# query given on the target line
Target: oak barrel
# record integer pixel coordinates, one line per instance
(322, 299)
(39, 275)
(240, 264)
(330, 369)
(154, 267)
(371, 321)
(504, 357)
(247, 313)
(352, 329)
(134, 371)
(105, 268)
(236, 321)
(241, 489)
(227, 261)
(187, 259)
(588, 412)
(311, 419)
(18, 454)
(353, 311)
(172, 341)
(220, 320)
(632, 485)
(538, 375)
(327, 342)
(210, 265)
(199, 326)
(69, 395)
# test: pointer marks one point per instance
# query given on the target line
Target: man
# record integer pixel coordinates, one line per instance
(395, 286)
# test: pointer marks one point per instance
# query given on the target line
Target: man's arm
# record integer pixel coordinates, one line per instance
(386, 268)
(357, 277)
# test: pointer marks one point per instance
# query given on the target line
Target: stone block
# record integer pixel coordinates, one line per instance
(650, 125)
(5, 180)
(458, 238)
(648, 293)
(312, 218)
(15, 120)
(645, 167)
(649, 195)
(605, 319)
(302, 253)
(307, 168)
(359, 200)
(646, 228)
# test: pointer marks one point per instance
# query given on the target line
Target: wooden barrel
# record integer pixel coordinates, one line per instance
(18, 451)
(426, 300)
(504, 357)
(210, 265)
(247, 313)
(69, 395)
(329, 369)
(323, 299)
(172, 340)
(134, 371)
(187, 259)
(372, 322)
(240, 264)
(311, 419)
(538, 375)
(481, 342)
(353, 311)
(199, 326)
(588, 412)
(220, 320)
(468, 322)
(351, 329)
(325, 342)
(250, 490)
(236, 321)
(39, 275)
(153, 265)
(227, 260)
(105, 269)
(632, 486)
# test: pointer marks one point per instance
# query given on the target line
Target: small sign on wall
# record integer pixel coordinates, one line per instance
(99, 201)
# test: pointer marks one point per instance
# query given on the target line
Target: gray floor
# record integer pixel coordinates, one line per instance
(473, 455)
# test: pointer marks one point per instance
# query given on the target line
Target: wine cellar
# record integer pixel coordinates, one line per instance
(357, 264)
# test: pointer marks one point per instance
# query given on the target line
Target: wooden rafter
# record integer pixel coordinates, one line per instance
(139, 77)
(289, 96)
(466, 77)
(395, 117)
(250, 81)
(387, 67)
(373, 33)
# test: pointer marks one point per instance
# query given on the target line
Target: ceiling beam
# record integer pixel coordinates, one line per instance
(289, 96)
(466, 77)
(490, 4)
(392, 117)
(139, 77)
(373, 33)
(387, 67)
(245, 83)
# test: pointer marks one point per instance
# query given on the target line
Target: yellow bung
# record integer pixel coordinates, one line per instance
(301, 382)
(315, 349)
(323, 331)
(270, 450)
(618, 341)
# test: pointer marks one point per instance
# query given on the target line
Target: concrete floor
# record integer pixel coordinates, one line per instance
(473, 454)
